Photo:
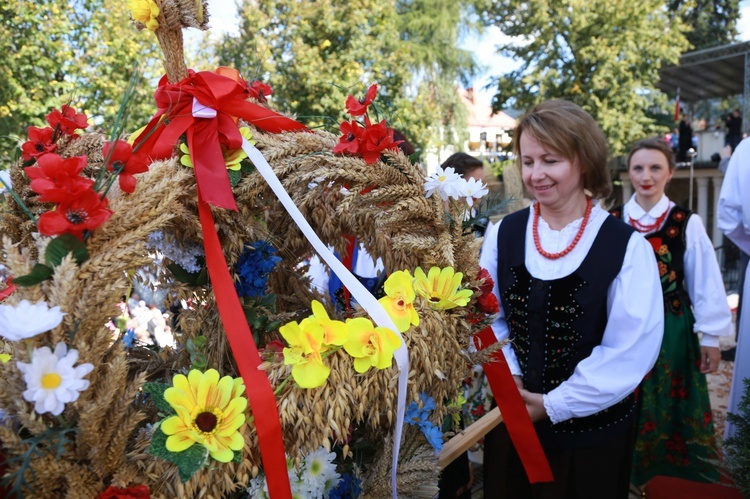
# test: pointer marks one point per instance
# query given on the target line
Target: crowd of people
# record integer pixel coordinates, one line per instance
(141, 323)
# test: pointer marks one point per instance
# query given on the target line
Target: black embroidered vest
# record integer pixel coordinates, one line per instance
(557, 323)
(669, 245)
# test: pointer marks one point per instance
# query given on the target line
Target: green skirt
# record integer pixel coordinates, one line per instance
(674, 430)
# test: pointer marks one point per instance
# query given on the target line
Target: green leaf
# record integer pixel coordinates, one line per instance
(156, 390)
(237, 457)
(234, 177)
(39, 273)
(60, 246)
(188, 461)
(246, 166)
(191, 278)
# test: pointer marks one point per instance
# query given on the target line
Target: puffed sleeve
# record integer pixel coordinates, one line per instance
(734, 200)
(630, 345)
(488, 260)
(705, 285)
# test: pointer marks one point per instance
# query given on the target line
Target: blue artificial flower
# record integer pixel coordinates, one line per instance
(416, 415)
(253, 268)
(349, 487)
(128, 338)
(428, 403)
(434, 436)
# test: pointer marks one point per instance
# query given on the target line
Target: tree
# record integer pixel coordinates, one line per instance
(55, 51)
(602, 54)
(316, 53)
(711, 22)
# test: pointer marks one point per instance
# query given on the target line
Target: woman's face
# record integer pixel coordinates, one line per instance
(553, 180)
(649, 173)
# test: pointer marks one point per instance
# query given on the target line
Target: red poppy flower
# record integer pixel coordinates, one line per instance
(56, 179)
(122, 157)
(488, 304)
(489, 283)
(8, 290)
(138, 492)
(350, 139)
(258, 90)
(75, 214)
(358, 107)
(656, 243)
(376, 139)
(39, 143)
(67, 120)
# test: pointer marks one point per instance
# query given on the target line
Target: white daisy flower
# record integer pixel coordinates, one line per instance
(446, 183)
(6, 183)
(258, 488)
(26, 320)
(473, 189)
(51, 379)
(319, 471)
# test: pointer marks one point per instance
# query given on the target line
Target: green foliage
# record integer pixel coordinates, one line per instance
(711, 22)
(737, 448)
(82, 52)
(257, 310)
(156, 390)
(316, 53)
(196, 347)
(188, 461)
(602, 54)
(59, 247)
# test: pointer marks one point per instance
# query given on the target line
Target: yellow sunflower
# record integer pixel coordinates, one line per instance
(210, 412)
(440, 287)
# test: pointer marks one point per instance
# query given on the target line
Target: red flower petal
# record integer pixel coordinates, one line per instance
(358, 107)
(9, 289)
(127, 182)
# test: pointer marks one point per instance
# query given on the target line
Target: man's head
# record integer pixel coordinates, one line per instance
(465, 165)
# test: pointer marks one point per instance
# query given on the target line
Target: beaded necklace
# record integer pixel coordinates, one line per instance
(645, 229)
(555, 256)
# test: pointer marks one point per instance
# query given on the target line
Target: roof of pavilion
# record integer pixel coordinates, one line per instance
(707, 73)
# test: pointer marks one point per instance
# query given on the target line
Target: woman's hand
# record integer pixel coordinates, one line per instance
(534, 405)
(710, 357)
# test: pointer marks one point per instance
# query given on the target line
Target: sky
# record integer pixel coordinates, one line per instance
(224, 19)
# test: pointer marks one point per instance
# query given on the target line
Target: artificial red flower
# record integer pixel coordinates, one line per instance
(259, 90)
(123, 158)
(488, 284)
(39, 143)
(75, 215)
(67, 120)
(376, 139)
(656, 243)
(56, 179)
(351, 132)
(487, 303)
(9, 289)
(138, 492)
(358, 107)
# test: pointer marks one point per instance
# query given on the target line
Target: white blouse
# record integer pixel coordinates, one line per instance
(703, 280)
(635, 326)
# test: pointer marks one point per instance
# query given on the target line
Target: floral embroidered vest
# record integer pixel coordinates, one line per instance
(556, 324)
(669, 247)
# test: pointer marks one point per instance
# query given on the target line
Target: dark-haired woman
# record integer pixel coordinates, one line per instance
(577, 289)
(674, 431)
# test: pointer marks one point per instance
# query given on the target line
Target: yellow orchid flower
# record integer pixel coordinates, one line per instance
(304, 353)
(4, 357)
(440, 287)
(369, 345)
(334, 332)
(210, 412)
(399, 300)
(232, 157)
(145, 11)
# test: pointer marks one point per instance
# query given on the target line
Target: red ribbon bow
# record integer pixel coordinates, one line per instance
(174, 117)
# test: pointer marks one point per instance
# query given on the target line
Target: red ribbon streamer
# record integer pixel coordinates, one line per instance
(512, 407)
(259, 392)
(205, 136)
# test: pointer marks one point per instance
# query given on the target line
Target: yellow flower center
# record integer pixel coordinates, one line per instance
(442, 178)
(51, 381)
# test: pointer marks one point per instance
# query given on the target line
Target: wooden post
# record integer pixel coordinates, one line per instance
(466, 438)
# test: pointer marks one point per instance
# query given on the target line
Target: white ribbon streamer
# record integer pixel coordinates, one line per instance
(358, 291)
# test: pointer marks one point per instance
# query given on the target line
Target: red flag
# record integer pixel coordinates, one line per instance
(677, 106)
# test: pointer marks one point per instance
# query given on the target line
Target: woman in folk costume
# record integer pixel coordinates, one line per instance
(734, 221)
(675, 431)
(578, 290)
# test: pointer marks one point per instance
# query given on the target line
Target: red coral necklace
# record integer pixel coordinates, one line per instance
(555, 256)
(648, 228)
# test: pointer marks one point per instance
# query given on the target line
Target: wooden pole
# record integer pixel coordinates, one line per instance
(466, 438)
